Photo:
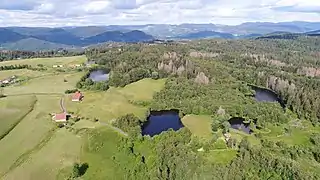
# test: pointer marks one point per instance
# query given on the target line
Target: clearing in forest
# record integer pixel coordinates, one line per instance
(115, 102)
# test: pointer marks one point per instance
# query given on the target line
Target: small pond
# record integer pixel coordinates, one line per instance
(159, 121)
(267, 95)
(240, 124)
(99, 75)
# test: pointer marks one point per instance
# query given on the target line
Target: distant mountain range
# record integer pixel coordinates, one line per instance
(42, 38)
(31, 39)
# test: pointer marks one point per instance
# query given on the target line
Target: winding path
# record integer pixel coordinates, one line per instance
(63, 108)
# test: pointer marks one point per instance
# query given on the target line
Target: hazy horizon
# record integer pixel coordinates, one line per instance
(57, 13)
(160, 24)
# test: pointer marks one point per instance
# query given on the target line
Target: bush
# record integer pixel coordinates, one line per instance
(127, 122)
(69, 91)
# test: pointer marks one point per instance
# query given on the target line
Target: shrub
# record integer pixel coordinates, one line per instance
(69, 91)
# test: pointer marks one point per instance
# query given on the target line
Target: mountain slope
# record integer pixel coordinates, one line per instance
(85, 32)
(117, 36)
(30, 31)
(7, 36)
(59, 36)
(32, 44)
(206, 34)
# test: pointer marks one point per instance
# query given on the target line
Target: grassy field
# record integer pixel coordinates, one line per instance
(198, 125)
(48, 62)
(102, 144)
(13, 110)
(222, 156)
(29, 135)
(60, 152)
(34, 149)
(142, 90)
(23, 73)
(45, 84)
(115, 102)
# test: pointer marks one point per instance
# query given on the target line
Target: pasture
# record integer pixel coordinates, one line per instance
(29, 135)
(199, 125)
(13, 110)
(115, 102)
(61, 151)
(53, 84)
(47, 62)
(23, 73)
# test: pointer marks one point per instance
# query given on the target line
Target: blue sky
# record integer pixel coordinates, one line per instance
(107, 12)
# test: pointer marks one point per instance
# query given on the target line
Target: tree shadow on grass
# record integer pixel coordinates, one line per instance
(83, 169)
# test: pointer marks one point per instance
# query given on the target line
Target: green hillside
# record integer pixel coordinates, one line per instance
(227, 131)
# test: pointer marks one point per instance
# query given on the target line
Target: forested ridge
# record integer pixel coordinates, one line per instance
(7, 55)
(213, 78)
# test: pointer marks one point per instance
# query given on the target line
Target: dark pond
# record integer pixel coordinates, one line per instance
(99, 75)
(267, 95)
(240, 124)
(159, 121)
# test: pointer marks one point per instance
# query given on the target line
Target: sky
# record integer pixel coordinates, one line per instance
(54, 13)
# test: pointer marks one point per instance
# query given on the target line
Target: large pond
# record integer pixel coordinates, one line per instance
(159, 121)
(240, 124)
(99, 75)
(267, 95)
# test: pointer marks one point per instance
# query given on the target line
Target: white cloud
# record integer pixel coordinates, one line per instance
(106, 12)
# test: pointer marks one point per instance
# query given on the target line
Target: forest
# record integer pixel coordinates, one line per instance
(213, 78)
(7, 55)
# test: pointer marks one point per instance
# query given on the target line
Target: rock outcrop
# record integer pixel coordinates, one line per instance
(202, 78)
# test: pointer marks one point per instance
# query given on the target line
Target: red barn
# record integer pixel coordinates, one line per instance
(77, 96)
(60, 117)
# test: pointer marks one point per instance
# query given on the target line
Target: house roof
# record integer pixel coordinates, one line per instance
(77, 95)
(61, 116)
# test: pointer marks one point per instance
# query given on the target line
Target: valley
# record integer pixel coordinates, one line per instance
(224, 109)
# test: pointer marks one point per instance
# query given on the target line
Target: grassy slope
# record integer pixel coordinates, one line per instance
(199, 125)
(115, 102)
(61, 151)
(99, 157)
(222, 156)
(21, 72)
(27, 136)
(13, 110)
(33, 150)
(45, 84)
(49, 62)
(142, 90)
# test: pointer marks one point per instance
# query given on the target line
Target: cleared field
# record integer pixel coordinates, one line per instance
(49, 62)
(60, 152)
(45, 84)
(29, 135)
(22, 72)
(142, 90)
(198, 125)
(224, 156)
(93, 153)
(13, 110)
(103, 105)
(106, 106)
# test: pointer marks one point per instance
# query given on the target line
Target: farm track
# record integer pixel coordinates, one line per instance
(63, 108)
(20, 119)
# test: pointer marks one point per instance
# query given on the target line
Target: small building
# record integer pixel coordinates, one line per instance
(77, 96)
(55, 66)
(60, 117)
(7, 81)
